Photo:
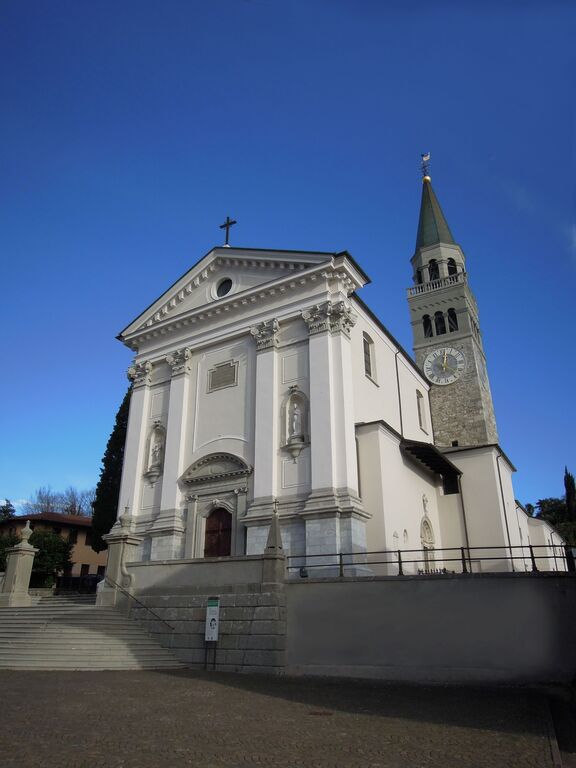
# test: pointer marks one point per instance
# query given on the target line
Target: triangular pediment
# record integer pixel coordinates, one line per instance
(216, 466)
(219, 276)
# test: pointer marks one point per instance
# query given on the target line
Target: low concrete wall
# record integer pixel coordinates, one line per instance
(190, 576)
(479, 628)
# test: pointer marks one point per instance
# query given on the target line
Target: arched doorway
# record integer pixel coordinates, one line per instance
(218, 537)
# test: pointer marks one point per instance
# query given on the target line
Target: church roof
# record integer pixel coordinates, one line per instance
(432, 225)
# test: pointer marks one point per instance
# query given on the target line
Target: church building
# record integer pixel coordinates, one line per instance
(264, 385)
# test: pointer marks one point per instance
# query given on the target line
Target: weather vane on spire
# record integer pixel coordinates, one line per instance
(425, 165)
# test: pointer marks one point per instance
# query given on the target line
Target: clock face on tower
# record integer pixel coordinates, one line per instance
(445, 365)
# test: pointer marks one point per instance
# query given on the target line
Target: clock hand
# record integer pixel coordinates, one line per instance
(444, 361)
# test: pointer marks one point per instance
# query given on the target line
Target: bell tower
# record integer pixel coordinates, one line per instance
(446, 332)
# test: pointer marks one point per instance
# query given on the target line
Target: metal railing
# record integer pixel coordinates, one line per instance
(115, 585)
(531, 558)
(434, 285)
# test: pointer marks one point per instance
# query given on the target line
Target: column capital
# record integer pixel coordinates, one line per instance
(266, 334)
(190, 497)
(140, 374)
(179, 361)
(336, 317)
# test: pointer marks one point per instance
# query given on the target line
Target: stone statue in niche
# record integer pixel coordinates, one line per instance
(295, 422)
(156, 443)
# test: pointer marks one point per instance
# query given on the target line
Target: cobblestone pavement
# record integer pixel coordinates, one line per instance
(186, 718)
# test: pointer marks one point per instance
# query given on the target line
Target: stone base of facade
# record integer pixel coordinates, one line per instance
(252, 630)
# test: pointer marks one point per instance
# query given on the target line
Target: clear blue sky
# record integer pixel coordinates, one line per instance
(129, 129)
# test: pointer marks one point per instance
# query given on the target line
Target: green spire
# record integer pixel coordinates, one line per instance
(432, 225)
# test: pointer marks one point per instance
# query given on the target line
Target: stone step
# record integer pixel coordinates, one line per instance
(79, 637)
(92, 667)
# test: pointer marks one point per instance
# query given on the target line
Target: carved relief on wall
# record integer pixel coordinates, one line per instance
(155, 453)
(295, 422)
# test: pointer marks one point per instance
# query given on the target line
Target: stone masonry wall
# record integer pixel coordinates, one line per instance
(252, 634)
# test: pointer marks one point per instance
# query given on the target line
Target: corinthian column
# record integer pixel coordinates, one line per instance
(265, 429)
(135, 447)
(170, 517)
(333, 505)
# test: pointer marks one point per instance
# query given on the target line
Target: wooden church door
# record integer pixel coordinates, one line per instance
(218, 534)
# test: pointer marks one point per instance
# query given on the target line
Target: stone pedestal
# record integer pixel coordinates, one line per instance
(122, 548)
(19, 561)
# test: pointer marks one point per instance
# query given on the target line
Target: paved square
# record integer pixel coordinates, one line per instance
(186, 718)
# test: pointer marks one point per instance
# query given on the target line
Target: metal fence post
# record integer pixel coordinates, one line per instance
(534, 566)
(464, 566)
(400, 571)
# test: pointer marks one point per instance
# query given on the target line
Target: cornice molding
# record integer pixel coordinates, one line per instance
(338, 279)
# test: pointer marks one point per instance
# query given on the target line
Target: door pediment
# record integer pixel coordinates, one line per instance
(215, 467)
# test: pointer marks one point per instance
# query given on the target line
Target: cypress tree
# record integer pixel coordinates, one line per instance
(105, 504)
(570, 489)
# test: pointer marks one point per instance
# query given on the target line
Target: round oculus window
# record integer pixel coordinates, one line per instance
(224, 287)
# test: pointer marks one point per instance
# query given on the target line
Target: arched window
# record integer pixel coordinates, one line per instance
(452, 320)
(452, 268)
(427, 324)
(419, 276)
(369, 367)
(433, 270)
(439, 323)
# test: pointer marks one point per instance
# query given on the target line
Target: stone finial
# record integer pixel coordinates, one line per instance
(26, 532)
(274, 543)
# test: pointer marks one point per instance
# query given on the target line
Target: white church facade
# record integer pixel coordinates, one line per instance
(263, 385)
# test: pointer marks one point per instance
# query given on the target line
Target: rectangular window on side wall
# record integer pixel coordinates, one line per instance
(88, 538)
(223, 375)
(368, 349)
(421, 406)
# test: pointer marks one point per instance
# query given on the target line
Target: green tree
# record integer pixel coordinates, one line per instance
(54, 555)
(5, 543)
(105, 504)
(560, 512)
(7, 510)
(570, 489)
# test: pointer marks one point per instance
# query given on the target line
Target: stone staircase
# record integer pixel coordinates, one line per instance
(70, 632)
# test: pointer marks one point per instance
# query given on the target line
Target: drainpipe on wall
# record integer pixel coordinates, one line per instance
(464, 520)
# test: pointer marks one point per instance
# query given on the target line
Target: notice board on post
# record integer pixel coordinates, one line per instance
(212, 620)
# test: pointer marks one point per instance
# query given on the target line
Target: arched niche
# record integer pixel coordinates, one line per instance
(155, 449)
(295, 422)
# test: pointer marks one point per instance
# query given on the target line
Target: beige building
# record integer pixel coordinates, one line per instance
(74, 528)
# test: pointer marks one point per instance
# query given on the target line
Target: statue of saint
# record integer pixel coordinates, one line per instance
(296, 421)
(156, 453)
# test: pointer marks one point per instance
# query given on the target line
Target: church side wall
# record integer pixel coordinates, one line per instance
(399, 495)
(377, 397)
(482, 500)
(444, 629)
